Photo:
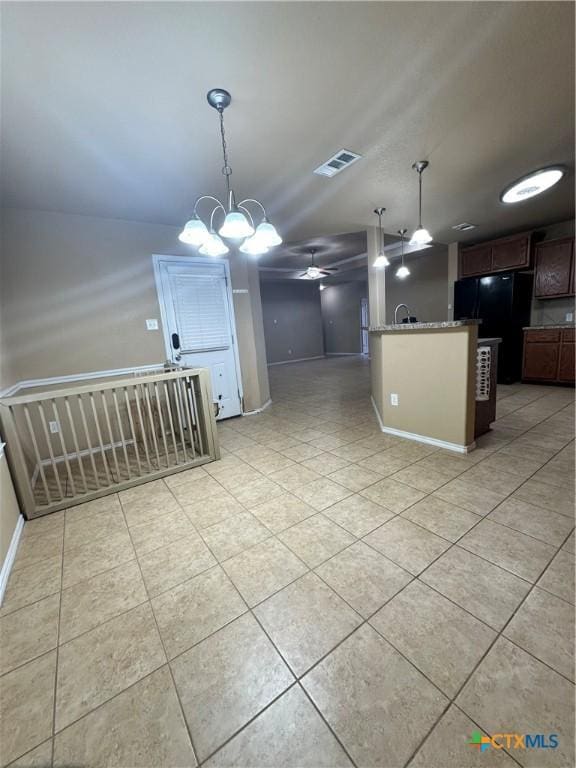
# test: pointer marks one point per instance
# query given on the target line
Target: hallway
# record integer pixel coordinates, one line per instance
(324, 595)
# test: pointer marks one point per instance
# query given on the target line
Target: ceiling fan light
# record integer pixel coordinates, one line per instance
(381, 261)
(253, 246)
(313, 272)
(402, 272)
(213, 246)
(267, 234)
(420, 237)
(236, 226)
(194, 232)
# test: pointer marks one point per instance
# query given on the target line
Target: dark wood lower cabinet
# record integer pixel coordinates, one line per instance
(549, 356)
(541, 361)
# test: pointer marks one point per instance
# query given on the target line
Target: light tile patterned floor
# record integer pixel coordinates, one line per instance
(325, 595)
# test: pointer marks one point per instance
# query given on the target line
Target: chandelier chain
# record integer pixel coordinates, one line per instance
(226, 170)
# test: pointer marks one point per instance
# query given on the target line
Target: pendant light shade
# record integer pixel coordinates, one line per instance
(381, 260)
(213, 246)
(195, 232)
(402, 272)
(253, 246)
(267, 234)
(236, 226)
(421, 236)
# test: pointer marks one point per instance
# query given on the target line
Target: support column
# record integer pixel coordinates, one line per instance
(376, 281)
(452, 276)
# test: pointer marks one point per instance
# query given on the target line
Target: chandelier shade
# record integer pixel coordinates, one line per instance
(238, 224)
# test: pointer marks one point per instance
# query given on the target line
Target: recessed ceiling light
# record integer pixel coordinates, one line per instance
(532, 184)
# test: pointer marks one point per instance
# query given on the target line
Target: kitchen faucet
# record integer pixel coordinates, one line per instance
(396, 313)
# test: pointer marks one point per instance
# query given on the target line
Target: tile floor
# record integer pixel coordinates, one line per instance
(325, 595)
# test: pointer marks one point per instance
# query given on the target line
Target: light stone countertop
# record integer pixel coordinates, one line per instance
(550, 327)
(422, 326)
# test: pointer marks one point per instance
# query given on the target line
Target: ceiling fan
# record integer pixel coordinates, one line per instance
(313, 272)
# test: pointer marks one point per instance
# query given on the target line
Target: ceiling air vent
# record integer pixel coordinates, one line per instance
(464, 226)
(342, 159)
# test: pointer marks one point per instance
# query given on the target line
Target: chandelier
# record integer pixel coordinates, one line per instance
(236, 221)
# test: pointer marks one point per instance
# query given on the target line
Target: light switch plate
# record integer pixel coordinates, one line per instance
(569, 317)
(152, 325)
(393, 399)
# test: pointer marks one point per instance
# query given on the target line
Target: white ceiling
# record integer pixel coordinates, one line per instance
(104, 110)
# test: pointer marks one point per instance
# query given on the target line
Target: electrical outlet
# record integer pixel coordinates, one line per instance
(569, 317)
(289, 351)
(152, 325)
(393, 399)
(54, 427)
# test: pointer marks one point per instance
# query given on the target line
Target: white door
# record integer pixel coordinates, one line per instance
(198, 321)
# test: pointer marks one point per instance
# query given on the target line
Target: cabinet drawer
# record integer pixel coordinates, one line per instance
(543, 335)
(568, 335)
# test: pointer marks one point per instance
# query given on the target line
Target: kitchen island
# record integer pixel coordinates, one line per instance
(424, 381)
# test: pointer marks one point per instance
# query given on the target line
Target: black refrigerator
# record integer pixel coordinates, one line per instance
(502, 302)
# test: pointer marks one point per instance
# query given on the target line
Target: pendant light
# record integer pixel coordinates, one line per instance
(238, 223)
(421, 236)
(381, 260)
(402, 270)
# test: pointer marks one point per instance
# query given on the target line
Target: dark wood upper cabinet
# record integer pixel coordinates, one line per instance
(500, 255)
(554, 269)
(475, 261)
(511, 253)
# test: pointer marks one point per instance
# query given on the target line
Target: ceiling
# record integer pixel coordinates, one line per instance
(104, 110)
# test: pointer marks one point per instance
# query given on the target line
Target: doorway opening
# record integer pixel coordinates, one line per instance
(364, 321)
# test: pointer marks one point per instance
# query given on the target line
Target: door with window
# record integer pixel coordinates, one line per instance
(198, 322)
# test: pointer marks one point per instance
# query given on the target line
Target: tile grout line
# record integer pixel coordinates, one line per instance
(194, 752)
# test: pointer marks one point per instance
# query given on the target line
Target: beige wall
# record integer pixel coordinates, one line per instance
(433, 374)
(9, 511)
(76, 292)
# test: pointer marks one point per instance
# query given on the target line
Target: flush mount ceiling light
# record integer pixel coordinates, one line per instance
(381, 260)
(533, 184)
(402, 270)
(237, 222)
(421, 236)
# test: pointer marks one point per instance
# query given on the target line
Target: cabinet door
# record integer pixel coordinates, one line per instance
(511, 253)
(566, 365)
(541, 361)
(476, 260)
(553, 269)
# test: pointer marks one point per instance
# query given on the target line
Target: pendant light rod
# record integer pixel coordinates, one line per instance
(421, 236)
(420, 166)
(402, 233)
(381, 259)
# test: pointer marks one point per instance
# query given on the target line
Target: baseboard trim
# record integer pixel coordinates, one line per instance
(50, 381)
(267, 404)
(297, 360)
(344, 354)
(456, 447)
(10, 556)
